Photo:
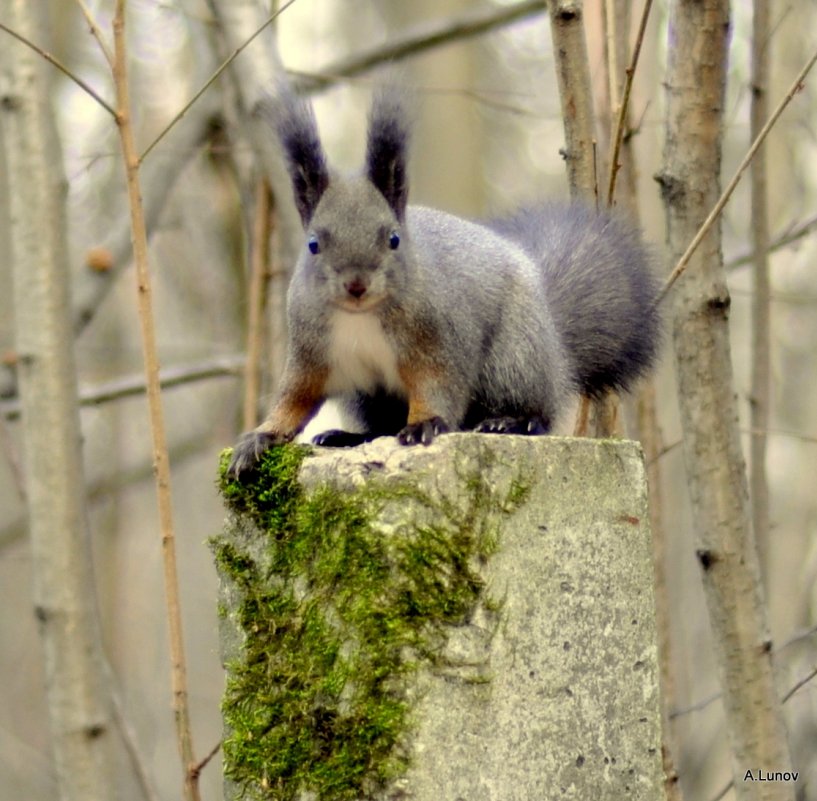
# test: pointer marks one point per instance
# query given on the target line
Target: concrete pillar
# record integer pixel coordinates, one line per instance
(499, 590)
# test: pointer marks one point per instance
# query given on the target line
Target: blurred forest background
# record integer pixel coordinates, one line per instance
(488, 134)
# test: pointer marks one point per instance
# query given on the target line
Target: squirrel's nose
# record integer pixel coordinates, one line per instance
(356, 288)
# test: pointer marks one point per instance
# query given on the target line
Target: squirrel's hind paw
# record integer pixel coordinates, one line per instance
(531, 426)
(338, 438)
(424, 432)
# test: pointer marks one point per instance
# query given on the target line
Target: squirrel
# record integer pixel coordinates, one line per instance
(421, 322)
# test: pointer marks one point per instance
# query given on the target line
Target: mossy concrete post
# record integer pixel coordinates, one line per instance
(468, 621)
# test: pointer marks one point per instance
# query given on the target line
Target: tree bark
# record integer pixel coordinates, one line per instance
(760, 298)
(716, 472)
(64, 597)
(575, 91)
(600, 417)
(621, 190)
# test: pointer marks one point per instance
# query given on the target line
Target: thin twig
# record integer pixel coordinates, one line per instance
(705, 702)
(196, 770)
(130, 741)
(61, 67)
(772, 432)
(798, 636)
(792, 234)
(778, 297)
(213, 78)
(779, 432)
(724, 790)
(796, 86)
(13, 531)
(664, 451)
(611, 44)
(798, 685)
(13, 459)
(410, 44)
(698, 706)
(259, 280)
(618, 137)
(157, 425)
(96, 32)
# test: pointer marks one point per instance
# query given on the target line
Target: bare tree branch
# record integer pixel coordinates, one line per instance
(61, 67)
(715, 213)
(215, 76)
(158, 176)
(13, 459)
(193, 446)
(137, 759)
(157, 425)
(96, 32)
(618, 134)
(129, 386)
(419, 39)
(797, 686)
(792, 234)
(203, 763)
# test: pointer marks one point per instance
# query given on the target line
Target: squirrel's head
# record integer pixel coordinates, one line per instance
(355, 235)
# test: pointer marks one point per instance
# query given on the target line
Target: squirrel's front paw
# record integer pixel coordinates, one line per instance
(249, 448)
(422, 433)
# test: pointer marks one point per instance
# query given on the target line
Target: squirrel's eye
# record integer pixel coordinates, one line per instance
(312, 244)
(394, 240)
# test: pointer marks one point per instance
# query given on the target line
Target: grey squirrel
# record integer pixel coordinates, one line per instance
(422, 322)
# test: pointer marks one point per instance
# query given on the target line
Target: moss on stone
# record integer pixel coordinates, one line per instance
(335, 615)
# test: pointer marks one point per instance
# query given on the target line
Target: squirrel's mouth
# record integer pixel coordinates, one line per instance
(365, 303)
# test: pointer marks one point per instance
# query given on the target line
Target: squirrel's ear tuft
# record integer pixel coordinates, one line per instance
(294, 121)
(387, 146)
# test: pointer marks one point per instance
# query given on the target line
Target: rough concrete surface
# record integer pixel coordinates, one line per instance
(550, 691)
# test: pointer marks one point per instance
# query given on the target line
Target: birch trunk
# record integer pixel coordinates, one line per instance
(699, 31)
(64, 602)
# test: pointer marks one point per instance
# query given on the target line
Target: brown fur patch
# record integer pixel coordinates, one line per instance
(301, 393)
(417, 379)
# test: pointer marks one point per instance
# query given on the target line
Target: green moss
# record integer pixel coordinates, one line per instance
(335, 615)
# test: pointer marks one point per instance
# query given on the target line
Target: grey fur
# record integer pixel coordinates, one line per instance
(395, 307)
(294, 121)
(386, 148)
(601, 290)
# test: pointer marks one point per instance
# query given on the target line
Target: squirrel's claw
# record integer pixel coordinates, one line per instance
(249, 448)
(531, 426)
(424, 432)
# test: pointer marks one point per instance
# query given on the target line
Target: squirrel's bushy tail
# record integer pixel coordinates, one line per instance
(601, 288)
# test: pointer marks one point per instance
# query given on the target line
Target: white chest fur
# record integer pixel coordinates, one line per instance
(360, 355)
